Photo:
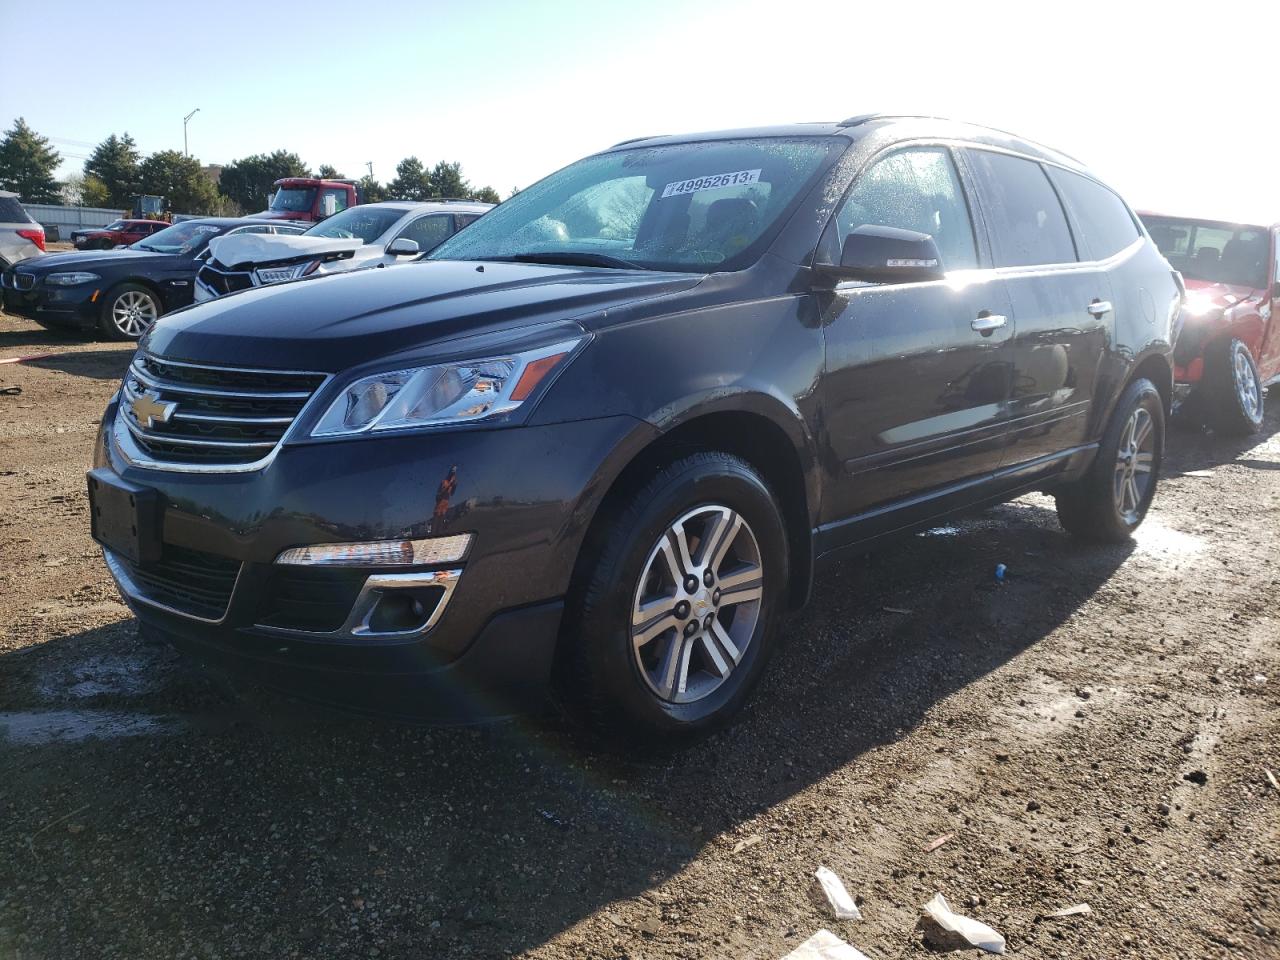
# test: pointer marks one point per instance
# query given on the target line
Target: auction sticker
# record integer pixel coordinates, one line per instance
(737, 179)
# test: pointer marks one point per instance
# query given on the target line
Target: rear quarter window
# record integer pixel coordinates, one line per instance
(11, 211)
(1027, 223)
(1104, 220)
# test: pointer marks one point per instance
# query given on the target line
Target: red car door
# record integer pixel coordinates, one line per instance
(1269, 361)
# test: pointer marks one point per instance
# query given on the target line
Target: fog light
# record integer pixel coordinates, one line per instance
(380, 553)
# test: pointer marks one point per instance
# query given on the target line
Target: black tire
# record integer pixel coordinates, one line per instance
(1233, 399)
(115, 297)
(1091, 508)
(601, 676)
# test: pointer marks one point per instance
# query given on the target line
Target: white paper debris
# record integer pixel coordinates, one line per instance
(978, 934)
(837, 895)
(825, 945)
(1071, 911)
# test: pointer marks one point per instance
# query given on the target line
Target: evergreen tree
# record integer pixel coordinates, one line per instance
(28, 163)
(115, 164)
(180, 180)
(250, 182)
(412, 181)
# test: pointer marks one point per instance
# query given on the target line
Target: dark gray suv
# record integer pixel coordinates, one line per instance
(603, 435)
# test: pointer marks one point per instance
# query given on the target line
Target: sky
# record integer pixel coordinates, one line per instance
(1173, 104)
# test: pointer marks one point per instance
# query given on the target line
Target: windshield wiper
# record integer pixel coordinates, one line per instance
(576, 258)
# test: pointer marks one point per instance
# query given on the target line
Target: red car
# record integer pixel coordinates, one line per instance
(116, 233)
(1229, 348)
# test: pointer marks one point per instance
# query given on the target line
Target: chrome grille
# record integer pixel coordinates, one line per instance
(192, 416)
(24, 281)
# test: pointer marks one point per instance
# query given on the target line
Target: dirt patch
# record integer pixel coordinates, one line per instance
(1050, 722)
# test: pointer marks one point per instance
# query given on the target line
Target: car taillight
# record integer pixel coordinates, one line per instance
(35, 236)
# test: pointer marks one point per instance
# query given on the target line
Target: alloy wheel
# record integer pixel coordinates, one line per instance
(697, 604)
(1134, 462)
(133, 312)
(1247, 387)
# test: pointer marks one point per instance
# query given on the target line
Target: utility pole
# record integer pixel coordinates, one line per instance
(185, 151)
(369, 164)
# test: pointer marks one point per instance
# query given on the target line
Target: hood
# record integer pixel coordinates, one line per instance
(256, 249)
(297, 215)
(1206, 299)
(331, 323)
(89, 259)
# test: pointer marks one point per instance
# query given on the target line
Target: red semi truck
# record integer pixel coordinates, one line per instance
(310, 199)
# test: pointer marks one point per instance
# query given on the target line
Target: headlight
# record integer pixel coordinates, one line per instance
(444, 393)
(70, 279)
(280, 274)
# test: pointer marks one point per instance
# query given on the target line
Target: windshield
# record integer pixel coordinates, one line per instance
(190, 236)
(365, 224)
(293, 199)
(115, 225)
(690, 206)
(1212, 251)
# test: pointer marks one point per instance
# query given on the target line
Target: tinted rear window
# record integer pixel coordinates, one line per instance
(1105, 221)
(1028, 225)
(11, 211)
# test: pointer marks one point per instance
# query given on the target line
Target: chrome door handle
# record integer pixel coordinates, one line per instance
(988, 322)
(1100, 308)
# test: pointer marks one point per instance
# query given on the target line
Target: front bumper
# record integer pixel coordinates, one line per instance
(66, 305)
(525, 495)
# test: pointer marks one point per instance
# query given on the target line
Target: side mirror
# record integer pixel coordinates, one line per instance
(403, 247)
(329, 205)
(887, 255)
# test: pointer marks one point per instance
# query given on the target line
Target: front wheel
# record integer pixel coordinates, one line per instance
(128, 311)
(1108, 503)
(1234, 400)
(672, 620)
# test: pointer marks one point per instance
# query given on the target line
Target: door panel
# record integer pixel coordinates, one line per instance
(1064, 311)
(916, 399)
(1269, 364)
(1057, 351)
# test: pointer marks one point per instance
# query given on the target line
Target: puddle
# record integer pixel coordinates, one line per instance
(947, 531)
(32, 728)
(1154, 537)
(101, 676)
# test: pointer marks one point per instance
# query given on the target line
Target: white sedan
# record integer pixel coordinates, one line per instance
(369, 235)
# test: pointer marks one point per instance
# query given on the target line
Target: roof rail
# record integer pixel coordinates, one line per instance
(859, 118)
(623, 143)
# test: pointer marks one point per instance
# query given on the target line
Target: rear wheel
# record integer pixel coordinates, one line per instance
(1233, 404)
(128, 311)
(672, 621)
(1109, 502)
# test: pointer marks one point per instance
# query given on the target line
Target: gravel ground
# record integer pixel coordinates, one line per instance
(1095, 729)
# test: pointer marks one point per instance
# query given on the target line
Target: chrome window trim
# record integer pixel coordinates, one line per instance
(128, 587)
(356, 626)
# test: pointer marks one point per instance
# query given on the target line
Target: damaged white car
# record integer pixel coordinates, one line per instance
(358, 238)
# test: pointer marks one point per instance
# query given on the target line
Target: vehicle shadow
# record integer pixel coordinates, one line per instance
(489, 841)
(1191, 446)
(106, 364)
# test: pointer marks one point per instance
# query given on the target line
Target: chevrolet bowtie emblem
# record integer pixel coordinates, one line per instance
(148, 409)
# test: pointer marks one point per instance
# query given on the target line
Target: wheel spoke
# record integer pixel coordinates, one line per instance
(677, 532)
(715, 659)
(743, 576)
(1142, 431)
(718, 540)
(1142, 463)
(725, 642)
(1134, 497)
(669, 671)
(673, 565)
(745, 593)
